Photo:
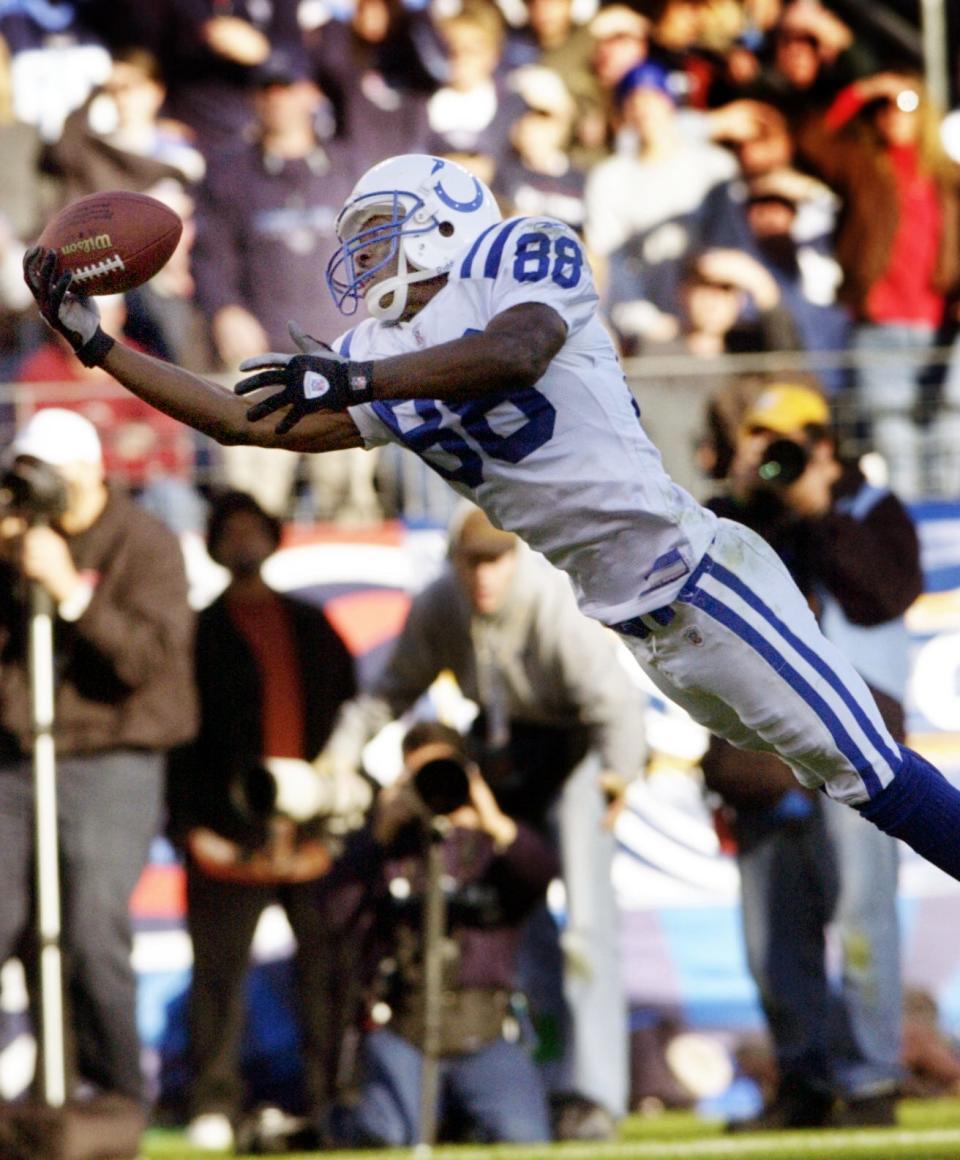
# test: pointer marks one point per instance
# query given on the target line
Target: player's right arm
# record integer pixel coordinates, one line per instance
(199, 403)
(217, 411)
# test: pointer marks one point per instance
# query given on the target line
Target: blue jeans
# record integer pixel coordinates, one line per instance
(497, 1088)
(586, 1000)
(108, 811)
(797, 877)
(887, 391)
(867, 1038)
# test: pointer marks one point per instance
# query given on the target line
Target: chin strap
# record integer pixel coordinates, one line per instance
(395, 286)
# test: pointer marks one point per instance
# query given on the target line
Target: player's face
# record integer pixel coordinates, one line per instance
(381, 246)
(378, 255)
(486, 579)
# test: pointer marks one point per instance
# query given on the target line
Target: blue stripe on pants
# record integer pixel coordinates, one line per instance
(778, 661)
(816, 662)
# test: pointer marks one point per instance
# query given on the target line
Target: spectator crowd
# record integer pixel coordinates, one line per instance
(750, 178)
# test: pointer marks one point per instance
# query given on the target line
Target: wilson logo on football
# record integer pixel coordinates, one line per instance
(87, 245)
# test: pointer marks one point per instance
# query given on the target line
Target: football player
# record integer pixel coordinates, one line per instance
(484, 353)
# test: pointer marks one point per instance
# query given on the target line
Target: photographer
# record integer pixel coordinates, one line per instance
(495, 869)
(805, 862)
(259, 823)
(559, 735)
(124, 694)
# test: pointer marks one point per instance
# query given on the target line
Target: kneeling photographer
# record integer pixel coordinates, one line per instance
(260, 825)
(804, 860)
(445, 882)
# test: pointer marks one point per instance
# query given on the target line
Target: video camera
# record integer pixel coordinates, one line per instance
(33, 490)
(784, 461)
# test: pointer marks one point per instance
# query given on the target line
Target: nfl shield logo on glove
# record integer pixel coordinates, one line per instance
(314, 386)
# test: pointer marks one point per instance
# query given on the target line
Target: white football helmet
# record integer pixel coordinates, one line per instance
(433, 209)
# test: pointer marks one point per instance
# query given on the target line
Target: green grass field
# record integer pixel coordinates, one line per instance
(925, 1131)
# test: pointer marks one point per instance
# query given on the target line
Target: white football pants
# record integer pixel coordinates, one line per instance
(742, 653)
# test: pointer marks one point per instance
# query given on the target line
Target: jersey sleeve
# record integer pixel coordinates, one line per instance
(533, 260)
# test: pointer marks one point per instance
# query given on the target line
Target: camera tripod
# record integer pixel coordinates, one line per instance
(40, 657)
(434, 931)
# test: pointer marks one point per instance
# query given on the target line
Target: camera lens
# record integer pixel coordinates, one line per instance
(784, 461)
(33, 490)
(442, 785)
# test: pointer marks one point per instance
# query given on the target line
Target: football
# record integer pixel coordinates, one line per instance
(111, 242)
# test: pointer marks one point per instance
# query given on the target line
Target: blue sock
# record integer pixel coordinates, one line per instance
(923, 809)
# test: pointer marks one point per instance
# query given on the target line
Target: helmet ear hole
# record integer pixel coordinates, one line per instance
(446, 229)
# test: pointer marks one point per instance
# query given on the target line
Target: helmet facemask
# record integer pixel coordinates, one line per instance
(398, 216)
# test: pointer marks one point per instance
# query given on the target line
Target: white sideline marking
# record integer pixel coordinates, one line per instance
(767, 1144)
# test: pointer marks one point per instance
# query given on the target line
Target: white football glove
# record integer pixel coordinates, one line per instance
(75, 317)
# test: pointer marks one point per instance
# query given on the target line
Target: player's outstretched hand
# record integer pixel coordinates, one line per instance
(307, 382)
(75, 317)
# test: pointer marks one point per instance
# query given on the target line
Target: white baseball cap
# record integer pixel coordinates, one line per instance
(58, 437)
(542, 89)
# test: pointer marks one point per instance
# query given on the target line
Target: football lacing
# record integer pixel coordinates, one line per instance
(107, 266)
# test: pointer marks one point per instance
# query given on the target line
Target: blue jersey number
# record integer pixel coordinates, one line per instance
(536, 429)
(539, 255)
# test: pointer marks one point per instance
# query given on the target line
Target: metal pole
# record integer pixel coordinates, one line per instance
(434, 935)
(40, 659)
(933, 20)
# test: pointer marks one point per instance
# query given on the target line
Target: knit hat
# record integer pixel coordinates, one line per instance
(648, 75)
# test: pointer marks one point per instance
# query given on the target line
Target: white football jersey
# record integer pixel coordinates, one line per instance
(564, 464)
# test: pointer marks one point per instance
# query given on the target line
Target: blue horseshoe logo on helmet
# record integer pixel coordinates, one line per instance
(459, 206)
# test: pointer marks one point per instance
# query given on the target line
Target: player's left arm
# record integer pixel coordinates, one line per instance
(512, 352)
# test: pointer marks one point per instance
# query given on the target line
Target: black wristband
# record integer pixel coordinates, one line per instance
(360, 382)
(92, 353)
